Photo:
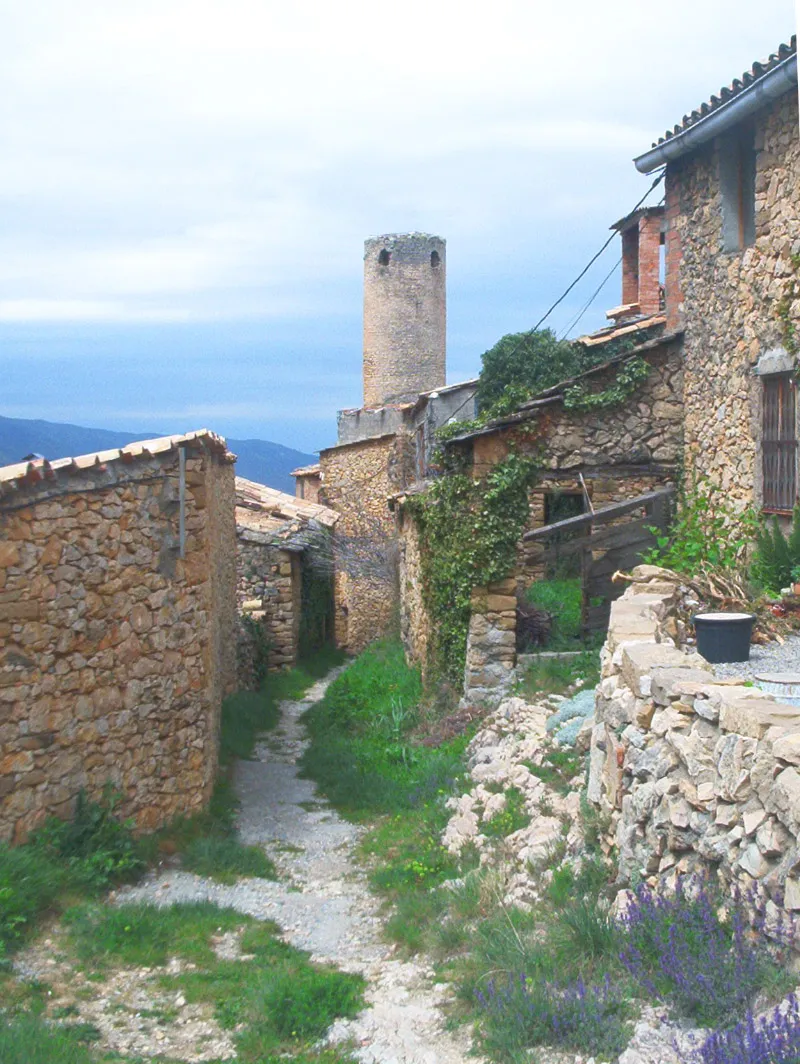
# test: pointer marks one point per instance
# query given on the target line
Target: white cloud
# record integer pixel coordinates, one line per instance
(171, 160)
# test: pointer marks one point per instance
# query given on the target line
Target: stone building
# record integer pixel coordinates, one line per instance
(387, 443)
(117, 628)
(733, 278)
(279, 586)
(308, 482)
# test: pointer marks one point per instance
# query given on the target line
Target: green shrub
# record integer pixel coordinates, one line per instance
(776, 556)
(528, 363)
(97, 847)
(707, 531)
(513, 817)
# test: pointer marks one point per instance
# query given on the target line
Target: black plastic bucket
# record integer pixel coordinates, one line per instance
(724, 637)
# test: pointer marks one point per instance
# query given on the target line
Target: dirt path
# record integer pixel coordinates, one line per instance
(322, 902)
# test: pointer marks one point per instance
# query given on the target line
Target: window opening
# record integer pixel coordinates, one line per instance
(779, 442)
(435, 260)
(383, 258)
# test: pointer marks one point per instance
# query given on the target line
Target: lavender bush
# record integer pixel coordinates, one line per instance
(680, 950)
(772, 1039)
(523, 1012)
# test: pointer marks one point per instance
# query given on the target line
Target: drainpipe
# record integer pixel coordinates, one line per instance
(781, 79)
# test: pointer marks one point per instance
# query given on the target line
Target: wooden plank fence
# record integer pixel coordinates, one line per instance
(609, 539)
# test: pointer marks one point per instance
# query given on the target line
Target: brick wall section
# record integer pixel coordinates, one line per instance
(404, 317)
(649, 263)
(357, 482)
(116, 652)
(730, 300)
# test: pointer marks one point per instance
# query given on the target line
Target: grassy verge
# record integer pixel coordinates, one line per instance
(248, 713)
(274, 1000)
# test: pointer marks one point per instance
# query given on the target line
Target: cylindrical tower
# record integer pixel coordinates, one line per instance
(404, 316)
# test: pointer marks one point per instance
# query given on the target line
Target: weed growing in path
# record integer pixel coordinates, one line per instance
(276, 1001)
(513, 817)
(246, 714)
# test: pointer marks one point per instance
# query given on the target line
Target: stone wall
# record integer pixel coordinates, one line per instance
(357, 481)
(268, 588)
(491, 643)
(695, 773)
(415, 622)
(641, 437)
(116, 651)
(729, 301)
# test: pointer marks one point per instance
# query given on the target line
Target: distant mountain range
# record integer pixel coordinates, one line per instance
(259, 460)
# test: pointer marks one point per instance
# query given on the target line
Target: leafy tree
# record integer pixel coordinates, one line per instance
(527, 363)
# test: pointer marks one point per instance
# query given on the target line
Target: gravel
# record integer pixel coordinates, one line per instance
(772, 657)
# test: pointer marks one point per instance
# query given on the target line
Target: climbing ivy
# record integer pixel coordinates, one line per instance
(791, 293)
(627, 379)
(469, 530)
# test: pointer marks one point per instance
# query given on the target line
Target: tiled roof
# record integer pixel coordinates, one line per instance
(28, 473)
(274, 513)
(728, 92)
(307, 471)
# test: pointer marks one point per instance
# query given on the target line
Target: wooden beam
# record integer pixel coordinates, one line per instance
(607, 513)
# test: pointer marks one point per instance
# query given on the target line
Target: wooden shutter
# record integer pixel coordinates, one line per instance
(779, 442)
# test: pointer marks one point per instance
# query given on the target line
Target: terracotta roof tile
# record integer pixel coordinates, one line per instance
(20, 475)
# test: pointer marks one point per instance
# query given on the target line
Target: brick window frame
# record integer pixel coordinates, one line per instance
(779, 442)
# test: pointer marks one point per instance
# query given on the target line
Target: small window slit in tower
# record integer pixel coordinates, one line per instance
(435, 260)
(383, 258)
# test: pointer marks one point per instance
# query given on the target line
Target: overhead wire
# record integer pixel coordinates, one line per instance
(590, 300)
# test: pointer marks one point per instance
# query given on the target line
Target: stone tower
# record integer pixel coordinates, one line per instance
(404, 316)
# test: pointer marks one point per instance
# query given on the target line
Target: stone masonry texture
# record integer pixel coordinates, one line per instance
(728, 301)
(694, 774)
(404, 317)
(357, 482)
(116, 651)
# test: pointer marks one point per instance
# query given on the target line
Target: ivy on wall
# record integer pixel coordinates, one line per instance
(469, 530)
(627, 379)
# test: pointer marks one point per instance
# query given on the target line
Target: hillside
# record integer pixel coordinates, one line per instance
(259, 460)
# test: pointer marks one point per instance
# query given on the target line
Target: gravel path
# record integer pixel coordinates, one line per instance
(322, 902)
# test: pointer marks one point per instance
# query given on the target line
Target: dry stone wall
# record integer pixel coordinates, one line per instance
(268, 585)
(694, 773)
(729, 301)
(116, 651)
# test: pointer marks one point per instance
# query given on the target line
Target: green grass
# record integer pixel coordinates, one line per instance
(28, 1039)
(559, 768)
(509, 819)
(363, 754)
(225, 859)
(553, 676)
(246, 714)
(563, 600)
(278, 1003)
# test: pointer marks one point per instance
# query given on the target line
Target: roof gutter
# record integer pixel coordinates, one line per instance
(781, 79)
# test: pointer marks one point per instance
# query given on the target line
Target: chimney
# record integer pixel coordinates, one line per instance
(642, 236)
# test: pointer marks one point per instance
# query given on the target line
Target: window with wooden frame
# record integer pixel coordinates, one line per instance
(779, 442)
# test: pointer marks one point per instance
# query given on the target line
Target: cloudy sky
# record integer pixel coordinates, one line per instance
(186, 186)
